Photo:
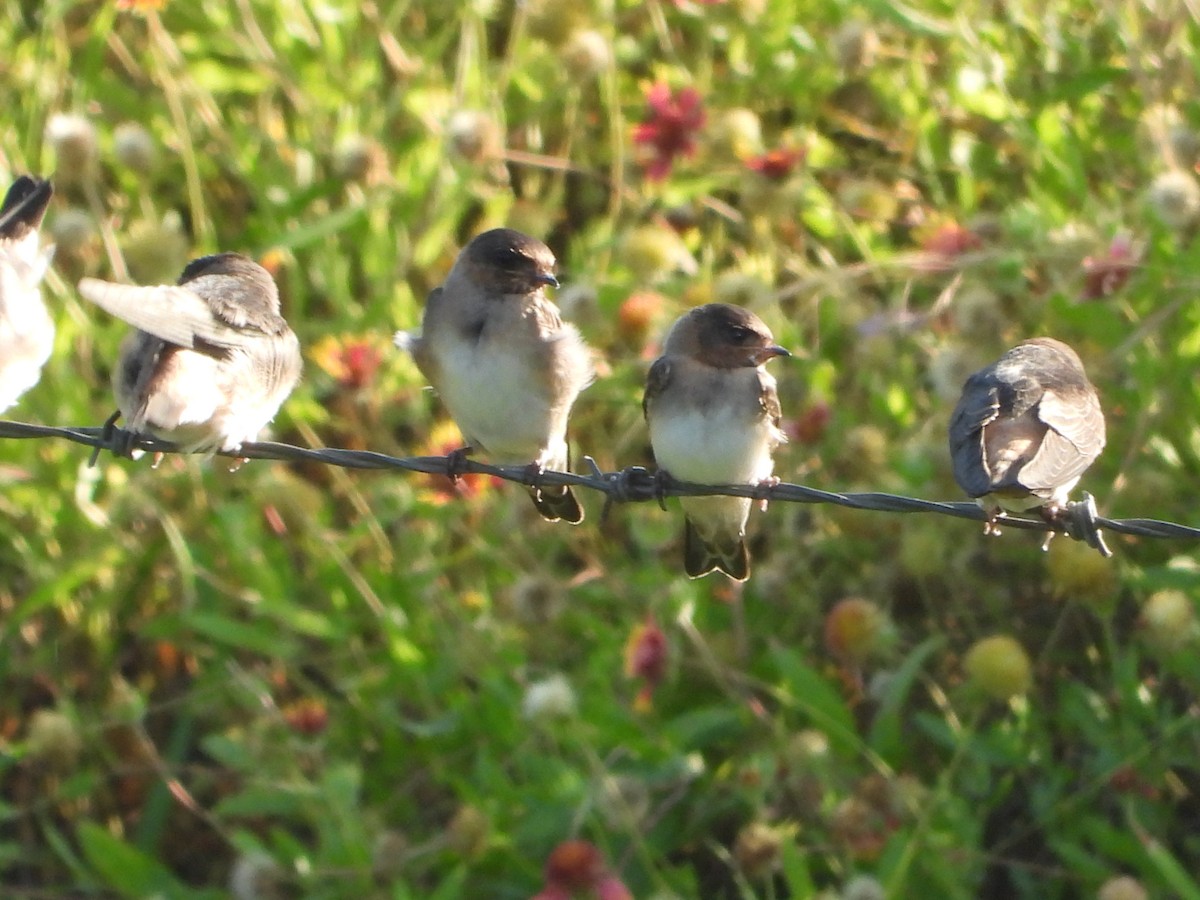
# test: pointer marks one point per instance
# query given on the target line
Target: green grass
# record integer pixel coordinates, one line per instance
(326, 669)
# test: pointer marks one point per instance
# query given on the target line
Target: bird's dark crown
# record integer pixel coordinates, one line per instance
(509, 261)
(725, 336)
(220, 264)
(242, 281)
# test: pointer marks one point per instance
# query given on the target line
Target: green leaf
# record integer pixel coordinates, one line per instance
(818, 699)
(123, 867)
(889, 734)
(268, 800)
(238, 633)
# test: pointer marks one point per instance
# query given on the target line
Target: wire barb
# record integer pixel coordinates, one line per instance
(633, 484)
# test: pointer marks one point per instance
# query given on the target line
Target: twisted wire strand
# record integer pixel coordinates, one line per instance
(631, 485)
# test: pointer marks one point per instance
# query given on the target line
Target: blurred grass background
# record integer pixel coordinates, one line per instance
(296, 681)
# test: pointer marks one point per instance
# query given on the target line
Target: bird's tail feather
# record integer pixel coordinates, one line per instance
(700, 558)
(24, 206)
(557, 504)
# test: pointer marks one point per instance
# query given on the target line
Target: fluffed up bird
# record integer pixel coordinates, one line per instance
(212, 359)
(1025, 429)
(713, 413)
(506, 365)
(26, 330)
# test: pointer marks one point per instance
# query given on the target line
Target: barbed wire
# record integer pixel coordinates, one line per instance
(630, 485)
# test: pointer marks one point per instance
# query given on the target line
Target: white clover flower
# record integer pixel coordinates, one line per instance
(549, 698)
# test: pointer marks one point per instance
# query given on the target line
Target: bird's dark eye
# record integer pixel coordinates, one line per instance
(742, 334)
(512, 258)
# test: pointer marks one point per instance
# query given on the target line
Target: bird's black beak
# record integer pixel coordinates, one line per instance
(548, 279)
(770, 352)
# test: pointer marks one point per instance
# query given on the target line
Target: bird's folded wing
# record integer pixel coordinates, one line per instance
(174, 314)
(1074, 439)
(978, 407)
(657, 380)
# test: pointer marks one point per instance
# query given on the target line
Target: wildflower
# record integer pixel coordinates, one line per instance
(135, 148)
(638, 313)
(655, 252)
(468, 831)
(646, 660)
(1175, 197)
(73, 138)
(999, 667)
(551, 697)
(155, 251)
(758, 848)
(307, 717)
(857, 629)
(670, 128)
(863, 887)
(855, 45)
(943, 243)
(352, 361)
(359, 158)
(776, 164)
(1122, 887)
(810, 426)
(1168, 621)
(443, 438)
(577, 865)
(735, 135)
(255, 875)
(1106, 274)
(587, 54)
(73, 230)
(53, 739)
(474, 135)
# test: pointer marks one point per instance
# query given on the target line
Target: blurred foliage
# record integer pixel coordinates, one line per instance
(297, 681)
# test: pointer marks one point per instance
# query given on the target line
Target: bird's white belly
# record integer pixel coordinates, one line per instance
(497, 401)
(720, 447)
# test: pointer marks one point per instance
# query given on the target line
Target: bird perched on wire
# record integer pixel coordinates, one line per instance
(713, 413)
(26, 330)
(1025, 429)
(496, 350)
(212, 359)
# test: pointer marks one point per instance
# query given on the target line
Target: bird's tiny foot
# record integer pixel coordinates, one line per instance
(534, 472)
(662, 478)
(991, 527)
(765, 485)
(157, 459)
(1055, 515)
(456, 463)
(238, 462)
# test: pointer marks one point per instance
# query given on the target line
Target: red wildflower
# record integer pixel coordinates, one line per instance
(574, 865)
(307, 716)
(352, 360)
(646, 652)
(577, 866)
(638, 313)
(951, 239)
(670, 127)
(443, 438)
(942, 243)
(810, 426)
(1106, 274)
(610, 887)
(646, 660)
(776, 164)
